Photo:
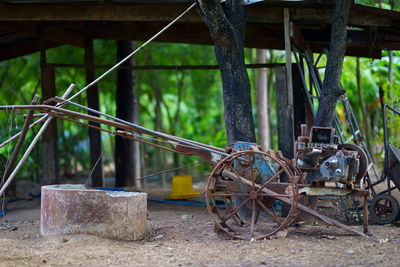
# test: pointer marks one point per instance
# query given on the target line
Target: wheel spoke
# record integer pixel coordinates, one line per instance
(253, 218)
(239, 177)
(272, 214)
(228, 195)
(235, 210)
(275, 195)
(270, 180)
(273, 211)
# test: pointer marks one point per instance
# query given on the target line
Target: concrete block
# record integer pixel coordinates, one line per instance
(75, 209)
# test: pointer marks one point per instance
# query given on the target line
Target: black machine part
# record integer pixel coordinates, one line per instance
(384, 209)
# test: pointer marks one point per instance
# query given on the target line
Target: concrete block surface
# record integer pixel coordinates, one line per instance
(75, 209)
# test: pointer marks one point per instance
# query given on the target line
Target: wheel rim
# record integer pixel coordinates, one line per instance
(384, 208)
(249, 186)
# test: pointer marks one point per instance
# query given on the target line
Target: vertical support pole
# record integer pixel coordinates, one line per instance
(285, 121)
(93, 102)
(125, 100)
(288, 54)
(50, 148)
(137, 154)
(262, 102)
(285, 114)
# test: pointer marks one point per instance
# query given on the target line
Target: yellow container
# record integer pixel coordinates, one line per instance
(182, 188)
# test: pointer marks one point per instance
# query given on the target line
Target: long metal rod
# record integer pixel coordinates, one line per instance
(133, 53)
(31, 146)
(151, 132)
(20, 142)
(118, 123)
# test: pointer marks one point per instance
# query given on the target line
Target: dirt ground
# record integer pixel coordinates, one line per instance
(183, 236)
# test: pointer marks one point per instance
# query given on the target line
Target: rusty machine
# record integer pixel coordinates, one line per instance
(251, 183)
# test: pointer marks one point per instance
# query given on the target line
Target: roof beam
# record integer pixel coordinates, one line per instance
(22, 48)
(257, 13)
(95, 12)
(50, 34)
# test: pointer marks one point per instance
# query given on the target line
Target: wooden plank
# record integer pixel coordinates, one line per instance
(95, 12)
(161, 12)
(94, 135)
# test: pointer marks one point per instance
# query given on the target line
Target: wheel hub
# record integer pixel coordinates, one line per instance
(253, 195)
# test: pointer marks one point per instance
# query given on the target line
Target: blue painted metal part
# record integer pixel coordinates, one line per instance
(260, 165)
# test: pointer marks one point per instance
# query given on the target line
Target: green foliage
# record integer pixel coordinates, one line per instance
(196, 115)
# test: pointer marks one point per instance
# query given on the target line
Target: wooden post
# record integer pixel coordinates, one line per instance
(50, 148)
(288, 54)
(94, 135)
(125, 100)
(285, 114)
(262, 102)
(285, 120)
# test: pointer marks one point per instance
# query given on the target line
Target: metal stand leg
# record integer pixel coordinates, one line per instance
(365, 215)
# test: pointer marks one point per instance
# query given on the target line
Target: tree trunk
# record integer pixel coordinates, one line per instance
(160, 155)
(226, 23)
(262, 102)
(331, 86)
(124, 148)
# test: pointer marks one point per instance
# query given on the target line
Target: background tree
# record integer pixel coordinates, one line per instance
(226, 23)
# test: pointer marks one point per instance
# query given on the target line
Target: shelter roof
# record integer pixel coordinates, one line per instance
(24, 23)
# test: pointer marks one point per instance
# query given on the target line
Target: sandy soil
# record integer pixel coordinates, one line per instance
(183, 236)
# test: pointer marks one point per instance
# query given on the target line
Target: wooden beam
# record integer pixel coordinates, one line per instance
(51, 34)
(100, 11)
(22, 48)
(95, 12)
(94, 135)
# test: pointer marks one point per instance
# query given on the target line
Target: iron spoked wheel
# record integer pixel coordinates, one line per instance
(384, 209)
(249, 184)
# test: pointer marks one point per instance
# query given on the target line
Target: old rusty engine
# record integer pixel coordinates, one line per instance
(326, 161)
